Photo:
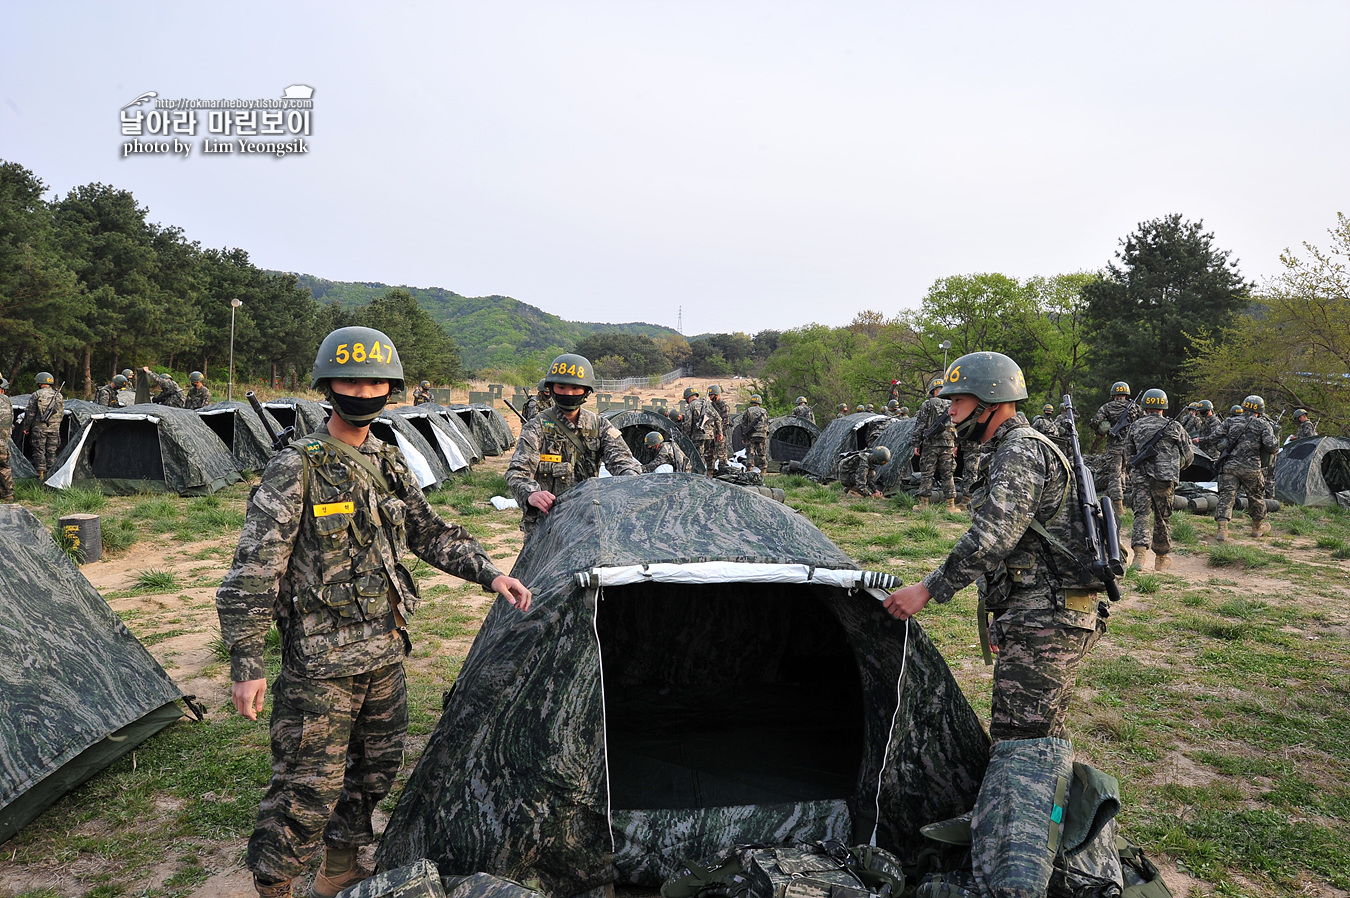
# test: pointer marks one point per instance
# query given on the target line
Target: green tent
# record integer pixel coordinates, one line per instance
(77, 689)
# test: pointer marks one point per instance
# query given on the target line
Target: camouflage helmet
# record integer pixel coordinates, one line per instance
(45, 377)
(904, 410)
(1154, 400)
(842, 407)
(1235, 410)
(893, 404)
(859, 408)
(653, 439)
(570, 368)
(1204, 405)
(128, 373)
(196, 377)
(879, 455)
(1300, 413)
(1254, 404)
(690, 393)
(357, 352)
(714, 390)
(938, 383)
(1047, 409)
(119, 381)
(425, 384)
(801, 400)
(988, 376)
(4, 384)
(871, 407)
(1120, 388)
(755, 399)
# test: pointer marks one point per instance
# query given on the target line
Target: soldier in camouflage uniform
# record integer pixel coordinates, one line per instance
(724, 425)
(564, 444)
(320, 553)
(1245, 441)
(1306, 428)
(841, 411)
(1154, 478)
(704, 426)
(1210, 430)
(538, 402)
(1190, 419)
(106, 394)
(198, 394)
(1026, 541)
(904, 412)
(6, 428)
(42, 420)
(802, 410)
(1045, 421)
(935, 443)
(858, 471)
(893, 408)
(755, 432)
(1112, 421)
(663, 452)
(170, 393)
(422, 393)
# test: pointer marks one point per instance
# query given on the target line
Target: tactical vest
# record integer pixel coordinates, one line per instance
(356, 526)
(6, 417)
(50, 408)
(567, 456)
(701, 424)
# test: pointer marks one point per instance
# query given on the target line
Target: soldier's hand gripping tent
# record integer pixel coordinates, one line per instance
(357, 352)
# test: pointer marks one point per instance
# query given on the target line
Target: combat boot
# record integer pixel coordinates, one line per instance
(1260, 528)
(273, 890)
(339, 871)
(921, 504)
(1162, 562)
(1223, 533)
(1139, 553)
(951, 505)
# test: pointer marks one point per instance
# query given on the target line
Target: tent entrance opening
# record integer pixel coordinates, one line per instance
(126, 450)
(727, 694)
(223, 426)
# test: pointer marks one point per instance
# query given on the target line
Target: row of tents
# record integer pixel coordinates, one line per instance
(187, 452)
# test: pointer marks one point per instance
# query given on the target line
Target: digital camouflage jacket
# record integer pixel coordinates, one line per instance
(1109, 414)
(755, 422)
(932, 409)
(1246, 437)
(1174, 451)
(320, 553)
(198, 396)
(668, 454)
(45, 410)
(170, 393)
(106, 396)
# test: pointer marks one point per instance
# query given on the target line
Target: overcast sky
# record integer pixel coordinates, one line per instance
(760, 164)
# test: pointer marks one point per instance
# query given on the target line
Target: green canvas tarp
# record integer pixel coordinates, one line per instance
(242, 431)
(77, 689)
(635, 424)
(145, 447)
(19, 465)
(839, 436)
(1314, 471)
(897, 436)
(702, 667)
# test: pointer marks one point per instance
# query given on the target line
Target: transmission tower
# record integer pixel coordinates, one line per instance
(679, 321)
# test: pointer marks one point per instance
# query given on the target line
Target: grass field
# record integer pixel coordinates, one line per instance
(1218, 697)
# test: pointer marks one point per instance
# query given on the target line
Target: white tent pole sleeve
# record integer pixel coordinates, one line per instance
(890, 735)
(604, 714)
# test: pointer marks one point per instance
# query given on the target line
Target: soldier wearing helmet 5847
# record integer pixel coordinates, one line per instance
(1026, 542)
(564, 444)
(320, 553)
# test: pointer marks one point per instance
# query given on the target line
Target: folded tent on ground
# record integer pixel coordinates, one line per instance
(702, 667)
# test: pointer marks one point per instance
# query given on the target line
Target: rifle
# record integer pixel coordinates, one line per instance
(1102, 534)
(514, 409)
(1150, 448)
(940, 424)
(1124, 419)
(279, 440)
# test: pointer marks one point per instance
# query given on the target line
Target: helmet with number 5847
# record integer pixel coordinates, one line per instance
(357, 352)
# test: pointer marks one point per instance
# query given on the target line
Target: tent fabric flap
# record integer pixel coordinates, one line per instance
(736, 572)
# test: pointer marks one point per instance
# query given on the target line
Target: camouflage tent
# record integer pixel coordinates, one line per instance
(1313, 471)
(242, 432)
(459, 431)
(635, 424)
(840, 435)
(19, 465)
(790, 437)
(77, 413)
(145, 447)
(897, 437)
(77, 690)
(701, 667)
(488, 427)
(305, 415)
(420, 454)
(444, 438)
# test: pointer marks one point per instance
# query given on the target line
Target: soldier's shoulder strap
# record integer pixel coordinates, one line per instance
(1030, 433)
(555, 415)
(306, 447)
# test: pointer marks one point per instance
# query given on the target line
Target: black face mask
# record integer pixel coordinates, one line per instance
(569, 403)
(356, 411)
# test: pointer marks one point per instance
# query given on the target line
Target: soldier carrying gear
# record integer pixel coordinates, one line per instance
(703, 424)
(755, 432)
(1158, 450)
(1306, 428)
(802, 410)
(6, 428)
(663, 452)
(170, 393)
(724, 426)
(1045, 422)
(421, 394)
(1026, 540)
(934, 442)
(564, 444)
(46, 409)
(858, 471)
(106, 394)
(319, 553)
(1111, 421)
(1245, 443)
(198, 394)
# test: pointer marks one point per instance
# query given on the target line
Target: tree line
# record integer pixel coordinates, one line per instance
(89, 286)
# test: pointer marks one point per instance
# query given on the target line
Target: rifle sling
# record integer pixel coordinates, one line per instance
(352, 454)
(575, 440)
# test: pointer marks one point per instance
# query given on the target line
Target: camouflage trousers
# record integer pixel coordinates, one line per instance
(1152, 496)
(722, 449)
(6, 475)
(1251, 481)
(336, 747)
(707, 450)
(1034, 676)
(1114, 470)
(42, 443)
(757, 452)
(1268, 472)
(937, 462)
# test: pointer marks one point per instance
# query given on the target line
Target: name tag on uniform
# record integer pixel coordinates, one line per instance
(334, 508)
(552, 458)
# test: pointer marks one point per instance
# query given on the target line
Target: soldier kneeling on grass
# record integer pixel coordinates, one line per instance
(858, 471)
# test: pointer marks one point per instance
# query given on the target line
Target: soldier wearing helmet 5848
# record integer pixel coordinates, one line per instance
(564, 444)
(1025, 540)
(320, 553)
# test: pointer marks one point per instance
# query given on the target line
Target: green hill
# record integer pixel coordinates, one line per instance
(492, 331)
